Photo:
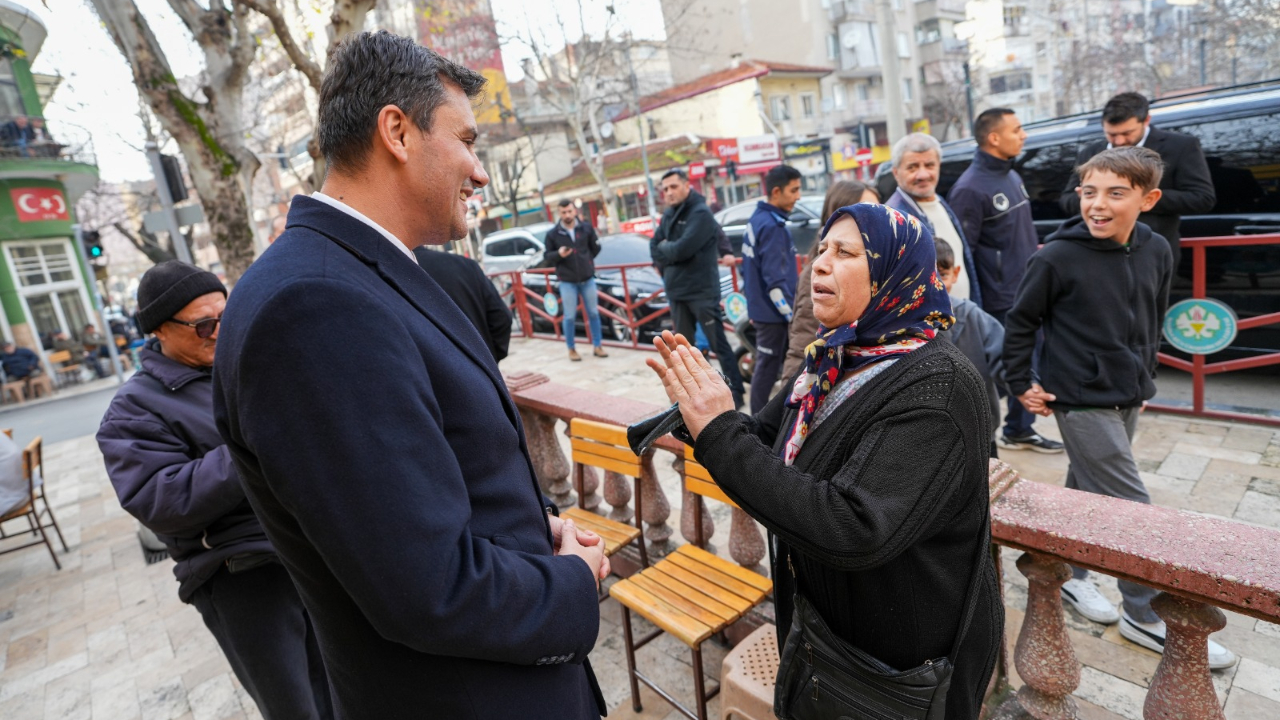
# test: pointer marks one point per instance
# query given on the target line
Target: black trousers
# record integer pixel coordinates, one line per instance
(262, 628)
(685, 314)
(771, 350)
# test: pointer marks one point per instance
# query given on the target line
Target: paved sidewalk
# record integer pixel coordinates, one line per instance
(107, 638)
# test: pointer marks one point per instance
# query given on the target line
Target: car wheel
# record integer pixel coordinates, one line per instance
(621, 332)
(746, 363)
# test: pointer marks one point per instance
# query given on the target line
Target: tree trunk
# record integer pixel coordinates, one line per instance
(209, 133)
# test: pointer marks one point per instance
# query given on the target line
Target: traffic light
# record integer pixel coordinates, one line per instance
(92, 245)
(173, 177)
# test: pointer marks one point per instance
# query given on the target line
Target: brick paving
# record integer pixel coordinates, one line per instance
(106, 638)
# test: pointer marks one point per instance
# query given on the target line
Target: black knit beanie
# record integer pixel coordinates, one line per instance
(168, 287)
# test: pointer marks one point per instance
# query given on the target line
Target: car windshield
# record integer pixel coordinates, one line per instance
(626, 249)
(812, 204)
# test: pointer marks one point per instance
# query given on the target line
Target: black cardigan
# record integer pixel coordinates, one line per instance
(880, 512)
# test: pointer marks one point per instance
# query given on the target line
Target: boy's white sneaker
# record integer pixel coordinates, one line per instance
(1085, 598)
(1151, 636)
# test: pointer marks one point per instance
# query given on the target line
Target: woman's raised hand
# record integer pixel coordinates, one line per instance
(690, 381)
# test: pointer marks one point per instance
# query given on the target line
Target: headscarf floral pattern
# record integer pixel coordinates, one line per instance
(909, 304)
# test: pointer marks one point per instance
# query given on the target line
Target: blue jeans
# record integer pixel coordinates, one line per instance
(569, 294)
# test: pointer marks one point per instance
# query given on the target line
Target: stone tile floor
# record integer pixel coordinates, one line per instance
(107, 638)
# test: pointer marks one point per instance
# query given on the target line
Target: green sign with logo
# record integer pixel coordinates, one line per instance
(551, 304)
(1200, 326)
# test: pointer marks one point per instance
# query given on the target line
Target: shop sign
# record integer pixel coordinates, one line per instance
(724, 148)
(758, 148)
(1200, 326)
(697, 171)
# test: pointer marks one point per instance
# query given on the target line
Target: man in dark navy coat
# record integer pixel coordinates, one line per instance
(373, 433)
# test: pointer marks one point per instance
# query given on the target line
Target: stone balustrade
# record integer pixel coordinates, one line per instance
(1199, 563)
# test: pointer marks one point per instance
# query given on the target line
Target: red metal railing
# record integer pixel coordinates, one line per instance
(1198, 366)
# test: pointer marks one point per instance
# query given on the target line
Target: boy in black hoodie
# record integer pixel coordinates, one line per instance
(1099, 290)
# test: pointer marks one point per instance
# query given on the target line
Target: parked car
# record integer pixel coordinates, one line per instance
(642, 282)
(1239, 130)
(804, 223)
(515, 248)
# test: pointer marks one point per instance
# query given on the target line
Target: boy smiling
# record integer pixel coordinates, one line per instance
(1098, 289)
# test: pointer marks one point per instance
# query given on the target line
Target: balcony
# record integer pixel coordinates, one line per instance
(852, 9)
(949, 9)
(64, 153)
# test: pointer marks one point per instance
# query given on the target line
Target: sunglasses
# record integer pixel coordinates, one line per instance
(204, 328)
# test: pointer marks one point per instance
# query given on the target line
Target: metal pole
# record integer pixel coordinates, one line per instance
(968, 95)
(180, 248)
(895, 116)
(89, 275)
(644, 149)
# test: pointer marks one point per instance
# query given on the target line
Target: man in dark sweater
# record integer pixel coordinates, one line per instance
(572, 247)
(464, 281)
(995, 217)
(685, 247)
(1099, 289)
(173, 472)
(1186, 186)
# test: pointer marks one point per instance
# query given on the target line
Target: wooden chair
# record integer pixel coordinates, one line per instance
(692, 595)
(605, 446)
(66, 370)
(39, 384)
(14, 391)
(33, 470)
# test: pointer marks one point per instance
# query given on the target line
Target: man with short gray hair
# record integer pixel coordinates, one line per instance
(916, 160)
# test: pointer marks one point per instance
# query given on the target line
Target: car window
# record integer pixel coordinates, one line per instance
(738, 214)
(541, 234)
(812, 205)
(623, 250)
(522, 245)
(1243, 155)
(501, 247)
(1045, 172)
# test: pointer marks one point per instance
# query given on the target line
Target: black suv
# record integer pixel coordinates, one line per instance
(1239, 130)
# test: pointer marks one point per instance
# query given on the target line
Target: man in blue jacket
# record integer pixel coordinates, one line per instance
(374, 434)
(769, 277)
(172, 472)
(995, 218)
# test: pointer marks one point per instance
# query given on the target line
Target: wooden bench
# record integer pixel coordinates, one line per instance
(63, 367)
(691, 594)
(604, 446)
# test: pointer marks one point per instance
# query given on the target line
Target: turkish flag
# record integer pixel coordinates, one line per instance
(39, 204)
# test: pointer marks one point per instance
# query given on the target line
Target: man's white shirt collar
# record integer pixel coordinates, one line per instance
(1142, 142)
(338, 204)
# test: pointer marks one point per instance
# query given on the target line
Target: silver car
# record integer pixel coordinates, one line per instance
(516, 248)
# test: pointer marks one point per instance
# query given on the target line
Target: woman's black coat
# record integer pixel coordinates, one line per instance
(881, 513)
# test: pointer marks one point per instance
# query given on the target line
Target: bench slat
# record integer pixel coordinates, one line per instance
(609, 451)
(659, 612)
(684, 605)
(736, 587)
(604, 432)
(725, 611)
(606, 463)
(756, 580)
(707, 489)
(706, 587)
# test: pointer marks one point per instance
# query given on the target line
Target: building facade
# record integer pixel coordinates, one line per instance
(43, 290)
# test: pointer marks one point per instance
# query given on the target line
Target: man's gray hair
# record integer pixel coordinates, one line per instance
(915, 142)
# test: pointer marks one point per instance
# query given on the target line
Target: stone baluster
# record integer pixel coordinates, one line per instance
(590, 483)
(1045, 660)
(746, 544)
(617, 492)
(655, 509)
(1182, 686)
(549, 462)
(688, 516)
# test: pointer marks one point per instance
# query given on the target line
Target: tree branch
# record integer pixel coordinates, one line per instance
(270, 9)
(190, 13)
(348, 17)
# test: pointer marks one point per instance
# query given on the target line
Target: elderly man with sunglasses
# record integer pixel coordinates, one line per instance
(172, 471)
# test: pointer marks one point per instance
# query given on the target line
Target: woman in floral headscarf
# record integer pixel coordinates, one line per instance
(871, 474)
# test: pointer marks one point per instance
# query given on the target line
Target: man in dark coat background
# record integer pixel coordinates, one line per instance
(374, 435)
(1186, 187)
(464, 281)
(172, 471)
(686, 248)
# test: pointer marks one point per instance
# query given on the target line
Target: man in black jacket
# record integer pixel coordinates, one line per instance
(1099, 289)
(995, 217)
(463, 280)
(172, 472)
(572, 247)
(1186, 188)
(685, 247)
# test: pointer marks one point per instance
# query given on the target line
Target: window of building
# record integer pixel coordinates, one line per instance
(928, 31)
(42, 264)
(1011, 82)
(10, 99)
(906, 89)
(808, 105)
(781, 106)
(833, 46)
(841, 96)
(904, 46)
(860, 91)
(49, 285)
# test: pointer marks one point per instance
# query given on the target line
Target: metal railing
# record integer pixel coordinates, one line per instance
(65, 142)
(1198, 366)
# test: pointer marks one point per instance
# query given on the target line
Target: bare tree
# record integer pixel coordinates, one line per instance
(206, 125)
